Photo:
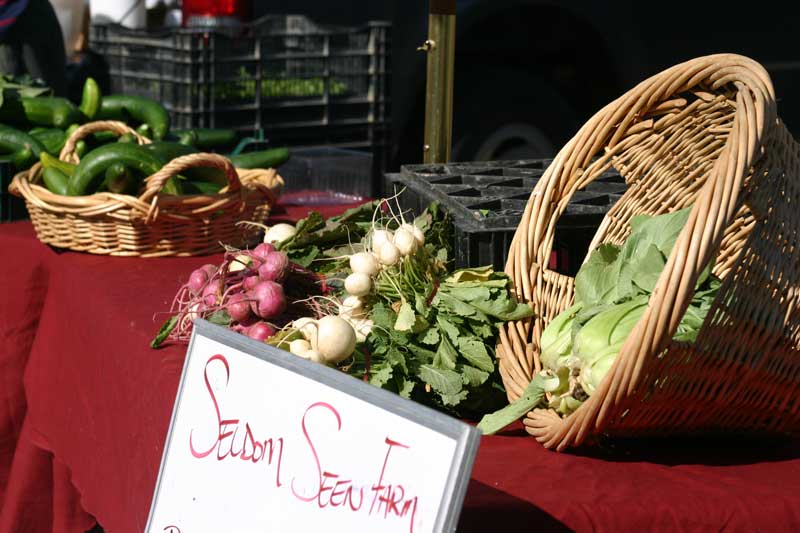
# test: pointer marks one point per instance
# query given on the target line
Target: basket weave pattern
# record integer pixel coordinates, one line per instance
(703, 133)
(152, 224)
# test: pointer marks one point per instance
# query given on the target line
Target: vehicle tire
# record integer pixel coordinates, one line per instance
(506, 114)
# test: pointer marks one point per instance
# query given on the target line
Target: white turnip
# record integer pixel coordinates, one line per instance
(389, 254)
(336, 339)
(358, 284)
(365, 263)
(405, 242)
(279, 233)
(379, 238)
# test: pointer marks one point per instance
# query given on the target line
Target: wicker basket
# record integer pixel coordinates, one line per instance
(153, 224)
(703, 133)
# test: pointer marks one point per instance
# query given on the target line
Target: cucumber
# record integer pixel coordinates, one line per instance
(55, 180)
(52, 111)
(138, 108)
(53, 139)
(167, 151)
(49, 161)
(90, 99)
(90, 172)
(207, 137)
(24, 148)
(118, 179)
(271, 158)
(200, 187)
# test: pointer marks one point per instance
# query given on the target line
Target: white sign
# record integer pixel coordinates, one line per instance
(262, 440)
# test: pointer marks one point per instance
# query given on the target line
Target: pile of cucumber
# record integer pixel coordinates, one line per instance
(36, 128)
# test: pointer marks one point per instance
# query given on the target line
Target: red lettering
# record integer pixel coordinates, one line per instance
(217, 357)
(318, 483)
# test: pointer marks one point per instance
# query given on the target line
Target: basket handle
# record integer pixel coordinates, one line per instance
(114, 126)
(155, 182)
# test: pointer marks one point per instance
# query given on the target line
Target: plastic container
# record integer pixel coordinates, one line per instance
(487, 200)
(300, 83)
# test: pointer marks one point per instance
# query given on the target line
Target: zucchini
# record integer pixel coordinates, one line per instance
(141, 109)
(90, 172)
(271, 158)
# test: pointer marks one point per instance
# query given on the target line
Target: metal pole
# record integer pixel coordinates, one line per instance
(440, 47)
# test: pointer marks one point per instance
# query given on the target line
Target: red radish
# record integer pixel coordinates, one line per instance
(197, 280)
(262, 251)
(210, 269)
(238, 307)
(274, 267)
(260, 331)
(211, 293)
(267, 299)
(251, 279)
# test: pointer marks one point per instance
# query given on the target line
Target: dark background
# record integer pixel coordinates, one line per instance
(530, 72)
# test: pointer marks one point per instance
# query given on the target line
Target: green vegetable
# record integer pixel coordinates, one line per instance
(55, 180)
(49, 161)
(90, 99)
(140, 109)
(612, 291)
(272, 158)
(118, 179)
(52, 139)
(51, 111)
(90, 173)
(207, 137)
(24, 148)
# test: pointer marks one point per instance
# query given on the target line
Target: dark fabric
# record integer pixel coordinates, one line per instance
(100, 400)
(34, 45)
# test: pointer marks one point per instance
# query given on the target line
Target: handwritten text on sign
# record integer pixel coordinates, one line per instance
(256, 447)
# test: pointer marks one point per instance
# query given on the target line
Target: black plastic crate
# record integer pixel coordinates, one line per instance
(297, 82)
(487, 200)
(11, 207)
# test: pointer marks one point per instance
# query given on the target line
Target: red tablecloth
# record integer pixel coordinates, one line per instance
(99, 402)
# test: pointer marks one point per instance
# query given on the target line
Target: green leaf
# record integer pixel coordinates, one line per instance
(456, 306)
(431, 336)
(483, 273)
(381, 376)
(472, 376)
(406, 388)
(421, 355)
(304, 256)
(164, 331)
(405, 318)
(441, 380)
(220, 318)
(533, 396)
(647, 269)
(446, 355)
(597, 278)
(454, 399)
(474, 351)
(448, 328)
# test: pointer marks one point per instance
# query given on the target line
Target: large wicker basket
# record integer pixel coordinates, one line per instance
(153, 224)
(703, 133)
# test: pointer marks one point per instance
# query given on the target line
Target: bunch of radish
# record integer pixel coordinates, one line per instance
(245, 292)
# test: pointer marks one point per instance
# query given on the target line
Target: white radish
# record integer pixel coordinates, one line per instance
(389, 254)
(313, 355)
(352, 306)
(379, 238)
(336, 339)
(358, 284)
(307, 328)
(279, 232)
(364, 262)
(298, 346)
(405, 242)
(240, 262)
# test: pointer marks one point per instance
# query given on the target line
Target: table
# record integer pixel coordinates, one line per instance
(87, 403)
